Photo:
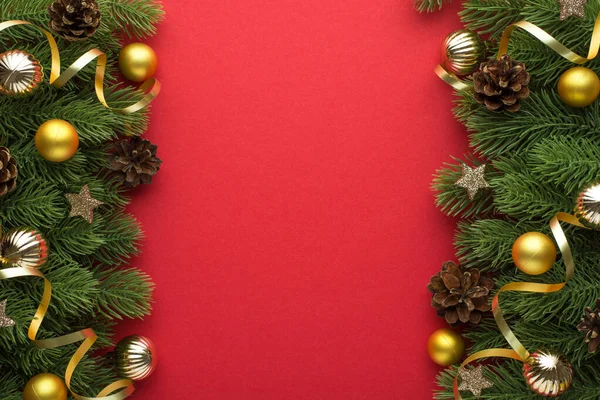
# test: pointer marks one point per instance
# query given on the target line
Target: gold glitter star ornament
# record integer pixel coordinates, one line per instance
(472, 179)
(5, 321)
(473, 381)
(83, 204)
(572, 7)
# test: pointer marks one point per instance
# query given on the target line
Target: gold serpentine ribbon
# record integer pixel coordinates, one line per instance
(451, 79)
(518, 351)
(539, 34)
(150, 88)
(123, 388)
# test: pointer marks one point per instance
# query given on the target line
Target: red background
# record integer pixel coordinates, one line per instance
(291, 231)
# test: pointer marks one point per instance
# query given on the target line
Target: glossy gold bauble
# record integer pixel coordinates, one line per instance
(445, 347)
(56, 140)
(135, 357)
(23, 247)
(534, 253)
(138, 62)
(548, 374)
(45, 387)
(578, 87)
(462, 52)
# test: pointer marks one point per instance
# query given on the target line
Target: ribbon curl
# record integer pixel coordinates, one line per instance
(543, 37)
(518, 351)
(123, 388)
(151, 87)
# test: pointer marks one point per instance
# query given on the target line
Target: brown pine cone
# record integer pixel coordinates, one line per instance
(500, 84)
(590, 325)
(460, 295)
(8, 172)
(135, 161)
(74, 20)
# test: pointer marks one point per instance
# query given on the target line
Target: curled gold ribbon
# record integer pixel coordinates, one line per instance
(518, 351)
(543, 37)
(450, 78)
(551, 42)
(118, 390)
(150, 88)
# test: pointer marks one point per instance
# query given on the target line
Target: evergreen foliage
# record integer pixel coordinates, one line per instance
(538, 160)
(429, 5)
(92, 287)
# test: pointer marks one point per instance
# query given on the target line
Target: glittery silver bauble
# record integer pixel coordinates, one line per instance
(135, 357)
(23, 247)
(548, 374)
(588, 206)
(20, 73)
(462, 52)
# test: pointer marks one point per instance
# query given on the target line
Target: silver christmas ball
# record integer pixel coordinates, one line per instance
(548, 374)
(20, 73)
(23, 247)
(135, 357)
(588, 206)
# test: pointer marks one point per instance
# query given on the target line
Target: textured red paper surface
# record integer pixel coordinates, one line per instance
(291, 231)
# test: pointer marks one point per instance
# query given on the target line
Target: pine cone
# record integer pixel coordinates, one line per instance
(134, 161)
(500, 84)
(460, 295)
(74, 20)
(8, 172)
(590, 325)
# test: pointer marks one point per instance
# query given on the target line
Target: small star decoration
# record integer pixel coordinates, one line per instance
(473, 381)
(571, 7)
(83, 204)
(472, 179)
(5, 321)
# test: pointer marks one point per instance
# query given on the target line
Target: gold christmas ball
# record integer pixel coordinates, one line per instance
(445, 347)
(138, 62)
(45, 387)
(578, 87)
(548, 374)
(135, 357)
(534, 253)
(56, 140)
(23, 247)
(462, 52)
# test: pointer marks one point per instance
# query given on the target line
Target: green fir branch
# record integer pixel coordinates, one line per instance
(429, 5)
